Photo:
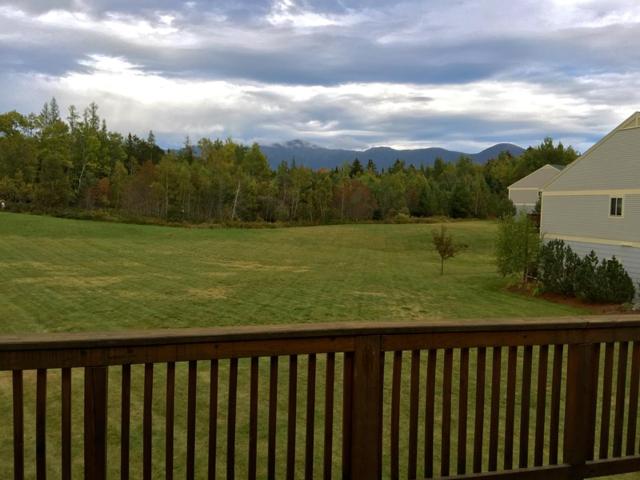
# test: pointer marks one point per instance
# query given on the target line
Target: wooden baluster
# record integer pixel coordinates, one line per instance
(328, 415)
(479, 416)
(253, 418)
(147, 421)
(633, 399)
(65, 440)
(125, 421)
(347, 417)
(429, 420)
(525, 406)
(463, 395)
(273, 411)
(579, 416)
(292, 417)
(191, 418)
(169, 419)
(231, 418)
(445, 451)
(18, 425)
(414, 402)
(367, 408)
(95, 422)
(41, 424)
(395, 415)
(556, 385)
(495, 408)
(620, 398)
(595, 374)
(541, 402)
(213, 419)
(607, 381)
(510, 413)
(310, 426)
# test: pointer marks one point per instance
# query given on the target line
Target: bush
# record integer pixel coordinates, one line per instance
(562, 271)
(615, 284)
(586, 281)
(557, 268)
(402, 218)
(504, 207)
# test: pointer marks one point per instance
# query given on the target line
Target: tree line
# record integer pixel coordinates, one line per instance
(49, 163)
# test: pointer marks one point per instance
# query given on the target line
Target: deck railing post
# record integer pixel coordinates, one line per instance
(95, 423)
(580, 413)
(366, 449)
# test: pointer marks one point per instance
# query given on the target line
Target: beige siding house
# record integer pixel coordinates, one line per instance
(594, 203)
(525, 192)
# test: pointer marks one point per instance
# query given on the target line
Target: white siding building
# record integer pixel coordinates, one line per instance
(525, 192)
(594, 203)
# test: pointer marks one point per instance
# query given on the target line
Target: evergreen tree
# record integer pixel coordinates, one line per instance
(356, 169)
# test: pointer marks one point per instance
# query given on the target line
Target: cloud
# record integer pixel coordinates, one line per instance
(352, 114)
(338, 72)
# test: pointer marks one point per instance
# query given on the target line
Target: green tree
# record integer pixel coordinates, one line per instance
(445, 245)
(356, 169)
(517, 246)
(545, 153)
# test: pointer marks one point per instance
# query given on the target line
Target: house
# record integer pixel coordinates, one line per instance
(594, 203)
(525, 193)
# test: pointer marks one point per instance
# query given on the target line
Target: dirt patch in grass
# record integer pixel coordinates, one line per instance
(49, 268)
(211, 293)
(412, 311)
(369, 294)
(142, 295)
(165, 276)
(248, 266)
(594, 308)
(71, 281)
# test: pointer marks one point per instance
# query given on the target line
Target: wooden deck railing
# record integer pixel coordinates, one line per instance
(545, 398)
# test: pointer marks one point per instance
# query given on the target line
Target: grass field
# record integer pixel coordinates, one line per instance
(65, 275)
(68, 275)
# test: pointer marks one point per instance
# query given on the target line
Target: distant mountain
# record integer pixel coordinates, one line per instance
(316, 157)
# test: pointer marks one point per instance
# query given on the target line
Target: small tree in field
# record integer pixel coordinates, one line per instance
(445, 246)
(517, 246)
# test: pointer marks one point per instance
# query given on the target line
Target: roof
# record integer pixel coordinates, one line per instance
(539, 178)
(633, 121)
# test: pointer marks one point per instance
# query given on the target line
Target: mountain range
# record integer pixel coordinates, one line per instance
(315, 157)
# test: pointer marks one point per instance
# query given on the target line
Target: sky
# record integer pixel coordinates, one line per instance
(459, 74)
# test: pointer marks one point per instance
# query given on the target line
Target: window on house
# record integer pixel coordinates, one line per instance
(615, 209)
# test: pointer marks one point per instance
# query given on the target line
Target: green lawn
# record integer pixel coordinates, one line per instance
(65, 275)
(68, 275)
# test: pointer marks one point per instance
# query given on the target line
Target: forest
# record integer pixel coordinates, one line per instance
(51, 164)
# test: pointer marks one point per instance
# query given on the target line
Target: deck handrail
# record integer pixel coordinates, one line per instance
(582, 359)
(91, 339)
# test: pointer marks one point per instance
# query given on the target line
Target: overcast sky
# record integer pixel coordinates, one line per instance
(461, 74)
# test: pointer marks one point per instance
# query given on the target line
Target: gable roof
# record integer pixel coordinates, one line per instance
(633, 121)
(538, 178)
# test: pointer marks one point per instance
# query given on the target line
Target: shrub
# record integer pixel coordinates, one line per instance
(402, 218)
(586, 280)
(615, 285)
(504, 207)
(557, 268)
(562, 271)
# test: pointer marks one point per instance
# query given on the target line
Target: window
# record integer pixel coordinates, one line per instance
(615, 210)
